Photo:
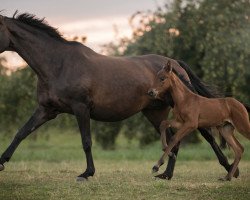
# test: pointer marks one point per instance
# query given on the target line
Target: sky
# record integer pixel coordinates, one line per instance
(94, 19)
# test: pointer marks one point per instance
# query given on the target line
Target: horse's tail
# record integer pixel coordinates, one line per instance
(200, 87)
(247, 107)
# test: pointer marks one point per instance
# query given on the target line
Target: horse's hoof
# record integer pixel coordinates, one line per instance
(1, 167)
(155, 169)
(221, 179)
(163, 176)
(226, 178)
(81, 179)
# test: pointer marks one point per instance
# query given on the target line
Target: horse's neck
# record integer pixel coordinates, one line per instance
(179, 92)
(35, 48)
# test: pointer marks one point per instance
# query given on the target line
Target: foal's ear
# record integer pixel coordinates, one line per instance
(168, 67)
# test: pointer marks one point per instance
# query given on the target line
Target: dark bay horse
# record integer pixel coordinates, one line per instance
(74, 79)
(192, 111)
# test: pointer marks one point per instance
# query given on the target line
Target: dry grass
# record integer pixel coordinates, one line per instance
(120, 180)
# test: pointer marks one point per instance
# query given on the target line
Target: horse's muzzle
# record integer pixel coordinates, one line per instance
(153, 93)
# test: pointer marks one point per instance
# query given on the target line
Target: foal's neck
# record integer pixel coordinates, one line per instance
(35, 47)
(179, 92)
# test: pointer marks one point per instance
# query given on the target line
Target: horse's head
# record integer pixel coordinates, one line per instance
(4, 35)
(163, 82)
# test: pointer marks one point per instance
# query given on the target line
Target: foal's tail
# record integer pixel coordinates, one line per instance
(200, 87)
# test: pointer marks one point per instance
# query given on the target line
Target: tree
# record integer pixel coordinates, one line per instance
(17, 98)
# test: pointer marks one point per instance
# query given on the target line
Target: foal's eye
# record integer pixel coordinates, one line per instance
(162, 78)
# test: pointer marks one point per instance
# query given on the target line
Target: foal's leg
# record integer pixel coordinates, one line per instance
(221, 157)
(81, 112)
(168, 173)
(227, 133)
(163, 127)
(39, 117)
(156, 117)
(183, 131)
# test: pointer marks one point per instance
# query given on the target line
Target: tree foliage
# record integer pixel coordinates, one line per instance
(211, 36)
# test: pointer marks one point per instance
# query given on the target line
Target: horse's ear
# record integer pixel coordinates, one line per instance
(1, 19)
(168, 67)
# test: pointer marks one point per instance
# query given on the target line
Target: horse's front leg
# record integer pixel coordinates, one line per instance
(82, 114)
(39, 117)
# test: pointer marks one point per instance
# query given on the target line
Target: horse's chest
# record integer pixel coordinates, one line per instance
(52, 99)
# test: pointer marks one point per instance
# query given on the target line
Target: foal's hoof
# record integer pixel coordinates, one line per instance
(1, 167)
(155, 169)
(163, 176)
(81, 179)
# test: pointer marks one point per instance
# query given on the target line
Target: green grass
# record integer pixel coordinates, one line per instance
(46, 169)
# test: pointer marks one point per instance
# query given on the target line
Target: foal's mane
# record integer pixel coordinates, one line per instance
(184, 81)
(38, 23)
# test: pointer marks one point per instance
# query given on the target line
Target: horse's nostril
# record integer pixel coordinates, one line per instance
(151, 93)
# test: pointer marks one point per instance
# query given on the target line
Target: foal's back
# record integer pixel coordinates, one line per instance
(213, 112)
(217, 111)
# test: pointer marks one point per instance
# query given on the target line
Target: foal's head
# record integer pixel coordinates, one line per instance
(164, 77)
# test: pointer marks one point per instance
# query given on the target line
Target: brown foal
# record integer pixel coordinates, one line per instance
(192, 111)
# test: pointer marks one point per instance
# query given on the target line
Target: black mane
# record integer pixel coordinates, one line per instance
(40, 24)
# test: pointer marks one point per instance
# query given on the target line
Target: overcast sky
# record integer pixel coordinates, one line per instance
(91, 18)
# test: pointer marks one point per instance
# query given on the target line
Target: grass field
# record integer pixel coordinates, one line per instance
(46, 169)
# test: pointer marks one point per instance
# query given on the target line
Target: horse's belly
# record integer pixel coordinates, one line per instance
(117, 110)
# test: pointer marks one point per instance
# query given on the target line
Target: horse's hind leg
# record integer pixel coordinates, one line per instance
(40, 116)
(221, 157)
(227, 132)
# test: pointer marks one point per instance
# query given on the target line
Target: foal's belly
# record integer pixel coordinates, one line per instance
(213, 119)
